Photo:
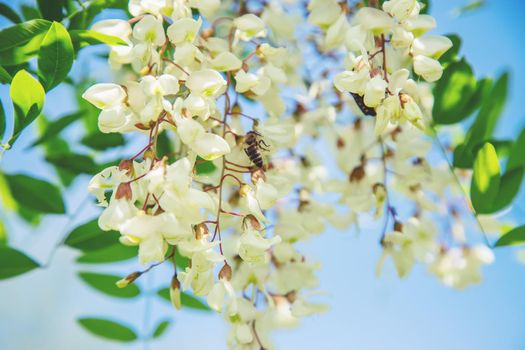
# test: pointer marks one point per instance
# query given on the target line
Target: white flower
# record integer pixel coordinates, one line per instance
(349, 81)
(184, 30)
(249, 26)
(402, 9)
(139, 7)
(374, 20)
(420, 24)
(150, 233)
(375, 91)
(206, 7)
(253, 248)
(105, 96)
(226, 61)
(117, 212)
(210, 146)
(107, 179)
(429, 68)
(222, 292)
(433, 46)
(115, 119)
(207, 145)
(323, 13)
(114, 27)
(206, 82)
(149, 29)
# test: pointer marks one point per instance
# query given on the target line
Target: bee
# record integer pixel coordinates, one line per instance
(359, 100)
(253, 145)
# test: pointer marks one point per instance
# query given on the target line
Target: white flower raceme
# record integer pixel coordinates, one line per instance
(207, 189)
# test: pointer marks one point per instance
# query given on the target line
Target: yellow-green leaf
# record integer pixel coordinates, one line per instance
(485, 180)
(28, 100)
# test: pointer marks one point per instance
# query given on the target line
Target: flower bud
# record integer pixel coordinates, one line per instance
(127, 166)
(201, 230)
(226, 272)
(124, 191)
(175, 292)
(357, 174)
(252, 221)
(123, 283)
(258, 174)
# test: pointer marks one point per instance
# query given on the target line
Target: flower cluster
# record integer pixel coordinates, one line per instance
(243, 182)
(387, 54)
(185, 76)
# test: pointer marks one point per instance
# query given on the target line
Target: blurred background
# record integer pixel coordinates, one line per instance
(38, 309)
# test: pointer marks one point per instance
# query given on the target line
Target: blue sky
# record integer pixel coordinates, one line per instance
(38, 309)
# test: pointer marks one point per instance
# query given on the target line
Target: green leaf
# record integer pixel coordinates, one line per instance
(89, 237)
(9, 13)
(485, 180)
(83, 38)
(28, 100)
(186, 300)
(30, 12)
(22, 41)
(108, 329)
(509, 188)
(489, 113)
(101, 142)
(3, 122)
(513, 237)
(161, 329)
(36, 194)
(5, 77)
(14, 263)
(74, 163)
(82, 19)
(114, 253)
(204, 166)
(3, 235)
(181, 261)
(473, 5)
(106, 284)
(51, 9)
(426, 7)
(55, 57)
(54, 128)
(453, 93)
(516, 158)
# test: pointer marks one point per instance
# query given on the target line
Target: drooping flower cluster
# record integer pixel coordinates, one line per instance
(387, 55)
(191, 72)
